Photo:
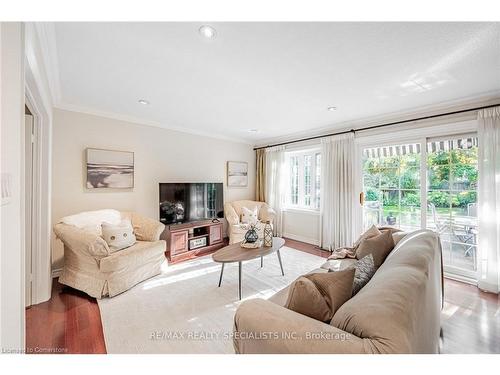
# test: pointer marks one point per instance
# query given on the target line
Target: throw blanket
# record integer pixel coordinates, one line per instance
(350, 252)
(343, 252)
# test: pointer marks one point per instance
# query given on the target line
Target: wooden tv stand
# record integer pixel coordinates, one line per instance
(179, 235)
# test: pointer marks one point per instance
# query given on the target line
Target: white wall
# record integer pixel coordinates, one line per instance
(160, 156)
(12, 292)
(301, 225)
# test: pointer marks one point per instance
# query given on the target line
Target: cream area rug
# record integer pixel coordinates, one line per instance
(183, 311)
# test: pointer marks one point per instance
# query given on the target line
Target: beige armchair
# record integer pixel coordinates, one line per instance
(232, 212)
(91, 267)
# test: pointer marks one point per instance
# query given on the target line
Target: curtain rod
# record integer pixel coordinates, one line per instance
(377, 126)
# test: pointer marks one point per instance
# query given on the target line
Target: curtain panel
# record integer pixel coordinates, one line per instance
(260, 178)
(275, 185)
(489, 199)
(337, 191)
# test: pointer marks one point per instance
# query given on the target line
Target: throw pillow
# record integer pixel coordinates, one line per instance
(379, 246)
(119, 236)
(371, 232)
(249, 216)
(350, 252)
(364, 271)
(320, 295)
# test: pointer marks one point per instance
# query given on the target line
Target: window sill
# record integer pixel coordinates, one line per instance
(301, 210)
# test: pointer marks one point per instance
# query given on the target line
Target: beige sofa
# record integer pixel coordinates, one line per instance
(398, 311)
(90, 266)
(232, 212)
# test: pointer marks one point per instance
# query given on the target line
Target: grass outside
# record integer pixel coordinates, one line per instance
(410, 216)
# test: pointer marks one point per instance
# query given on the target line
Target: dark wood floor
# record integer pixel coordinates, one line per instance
(70, 321)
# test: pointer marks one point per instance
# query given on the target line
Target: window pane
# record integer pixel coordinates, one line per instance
(438, 176)
(464, 176)
(307, 180)
(318, 180)
(294, 177)
(409, 177)
(389, 178)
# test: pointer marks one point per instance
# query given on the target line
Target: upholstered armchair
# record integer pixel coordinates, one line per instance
(91, 267)
(233, 211)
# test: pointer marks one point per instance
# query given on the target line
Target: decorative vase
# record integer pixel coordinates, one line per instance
(251, 235)
(268, 234)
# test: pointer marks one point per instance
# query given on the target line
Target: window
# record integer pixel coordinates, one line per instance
(304, 168)
(317, 181)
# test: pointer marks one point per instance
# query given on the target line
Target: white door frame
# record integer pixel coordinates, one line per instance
(41, 255)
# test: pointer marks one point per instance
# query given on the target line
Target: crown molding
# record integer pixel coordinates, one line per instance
(144, 122)
(488, 98)
(47, 38)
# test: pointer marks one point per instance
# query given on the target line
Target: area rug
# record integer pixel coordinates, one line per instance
(183, 311)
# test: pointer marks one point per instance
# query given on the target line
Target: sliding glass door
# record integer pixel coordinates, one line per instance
(452, 176)
(393, 193)
(391, 186)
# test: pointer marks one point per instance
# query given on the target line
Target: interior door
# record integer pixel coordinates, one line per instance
(29, 167)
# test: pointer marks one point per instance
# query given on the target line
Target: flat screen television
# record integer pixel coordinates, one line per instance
(187, 202)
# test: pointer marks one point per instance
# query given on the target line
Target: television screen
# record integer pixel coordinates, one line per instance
(182, 203)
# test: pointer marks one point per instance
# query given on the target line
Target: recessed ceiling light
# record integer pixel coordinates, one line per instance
(143, 101)
(207, 31)
(253, 130)
(331, 109)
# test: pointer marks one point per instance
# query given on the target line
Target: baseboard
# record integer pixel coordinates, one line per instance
(462, 279)
(56, 272)
(295, 237)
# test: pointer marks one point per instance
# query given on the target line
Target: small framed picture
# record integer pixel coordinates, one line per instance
(237, 174)
(109, 169)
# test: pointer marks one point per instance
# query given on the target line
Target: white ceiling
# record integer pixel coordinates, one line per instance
(278, 78)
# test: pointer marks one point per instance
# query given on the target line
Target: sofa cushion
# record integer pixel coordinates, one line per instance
(133, 256)
(319, 295)
(378, 246)
(118, 236)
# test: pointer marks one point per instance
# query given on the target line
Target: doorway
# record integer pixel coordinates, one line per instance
(30, 169)
(429, 184)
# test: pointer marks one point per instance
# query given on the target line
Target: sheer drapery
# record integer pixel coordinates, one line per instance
(260, 178)
(337, 191)
(489, 199)
(275, 184)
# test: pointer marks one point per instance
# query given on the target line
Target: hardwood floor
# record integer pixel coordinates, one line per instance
(70, 321)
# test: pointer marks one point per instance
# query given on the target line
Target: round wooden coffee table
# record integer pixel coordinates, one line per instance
(235, 253)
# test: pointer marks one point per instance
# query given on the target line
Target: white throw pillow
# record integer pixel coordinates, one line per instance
(119, 236)
(249, 216)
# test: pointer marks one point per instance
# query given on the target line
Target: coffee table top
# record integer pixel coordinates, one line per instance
(236, 253)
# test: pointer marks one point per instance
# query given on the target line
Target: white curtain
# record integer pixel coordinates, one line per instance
(337, 191)
(275, 184)
(489, 199)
